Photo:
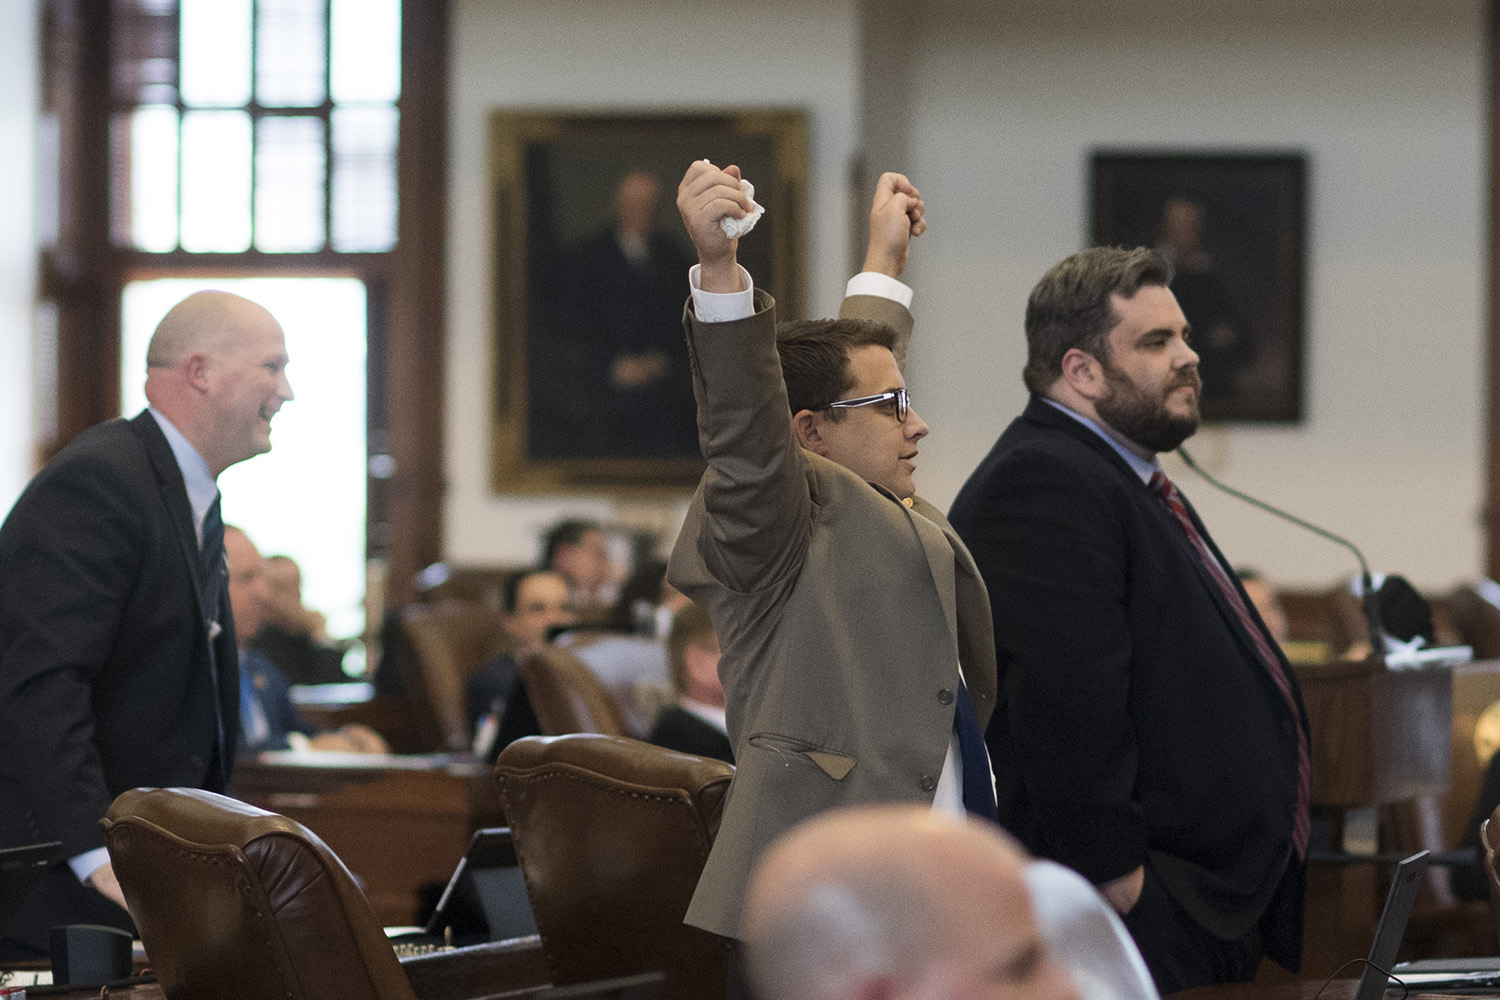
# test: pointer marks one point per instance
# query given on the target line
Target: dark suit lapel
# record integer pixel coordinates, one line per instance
(1042, 412)
(1231, 617)
(173, 490)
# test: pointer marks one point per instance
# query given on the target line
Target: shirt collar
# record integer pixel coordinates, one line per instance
(711, 714)
(201, 488)
(1145, 468)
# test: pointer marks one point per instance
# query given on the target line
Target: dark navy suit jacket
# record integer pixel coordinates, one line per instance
(106, 680)
(1136, 724)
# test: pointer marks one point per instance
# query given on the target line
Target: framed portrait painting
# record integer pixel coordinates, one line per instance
(592, 387)
(1232, 227)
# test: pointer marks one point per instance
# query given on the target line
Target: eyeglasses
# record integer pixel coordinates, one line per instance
(899, 396)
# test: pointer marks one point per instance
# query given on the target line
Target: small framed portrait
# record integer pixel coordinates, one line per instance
(593, 390)
(1232, 227)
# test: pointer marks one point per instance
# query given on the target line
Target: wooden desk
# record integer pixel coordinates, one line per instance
(1307, 989)
(1304, 989)
(396, 827)
(499, 971)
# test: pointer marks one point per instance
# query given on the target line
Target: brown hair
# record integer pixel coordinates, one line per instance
(815, 358)
(1070, 306)
(691, 626)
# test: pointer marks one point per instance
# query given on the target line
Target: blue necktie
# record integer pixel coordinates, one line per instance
(979, 788)
(211, 560)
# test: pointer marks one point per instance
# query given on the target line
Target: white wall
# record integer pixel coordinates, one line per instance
(1009, 98)
(575, 54)
(18, 107)
(993, 109)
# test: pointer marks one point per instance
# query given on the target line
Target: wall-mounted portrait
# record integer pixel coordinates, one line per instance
(1232, 227)
(592, 383)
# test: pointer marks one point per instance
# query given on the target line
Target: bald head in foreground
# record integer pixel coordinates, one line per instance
(117, 645)
(890, 902)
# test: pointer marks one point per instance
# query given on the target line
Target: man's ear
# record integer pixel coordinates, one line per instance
(1084, 374)
(809, 429)
(195, 370)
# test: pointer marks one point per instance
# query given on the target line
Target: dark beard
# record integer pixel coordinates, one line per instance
(1145, 419)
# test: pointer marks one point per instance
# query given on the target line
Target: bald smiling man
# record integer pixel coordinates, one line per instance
(117, 648)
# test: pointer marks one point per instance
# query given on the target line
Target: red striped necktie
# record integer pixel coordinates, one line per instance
(1301, 823)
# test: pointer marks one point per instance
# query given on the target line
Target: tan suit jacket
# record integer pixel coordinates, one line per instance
(842, 613)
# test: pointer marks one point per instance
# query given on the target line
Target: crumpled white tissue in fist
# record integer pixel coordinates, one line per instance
(735, 228)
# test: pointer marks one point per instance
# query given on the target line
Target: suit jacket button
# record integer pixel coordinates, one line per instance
(928, 783)
(945, 697)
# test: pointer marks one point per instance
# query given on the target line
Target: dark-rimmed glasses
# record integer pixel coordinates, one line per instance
(898, 395)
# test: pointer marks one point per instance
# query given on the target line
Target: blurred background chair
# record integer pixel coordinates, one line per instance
(446, 642)
(611, 835)
(566, 696)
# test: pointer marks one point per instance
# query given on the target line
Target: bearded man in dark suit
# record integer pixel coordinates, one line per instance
(117, 648)
(1149, 732)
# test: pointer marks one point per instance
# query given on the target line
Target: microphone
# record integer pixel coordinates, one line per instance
(1370, 601)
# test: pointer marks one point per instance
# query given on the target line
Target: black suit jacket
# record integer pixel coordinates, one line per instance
(105, 676)
(678, 729)
(1136, 723)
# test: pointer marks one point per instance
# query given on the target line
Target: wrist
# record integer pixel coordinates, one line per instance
(719, 276)
(883, 264)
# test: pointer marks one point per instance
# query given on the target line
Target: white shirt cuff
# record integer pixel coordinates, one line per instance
(89, 862)
(722, 307)
(882, 285)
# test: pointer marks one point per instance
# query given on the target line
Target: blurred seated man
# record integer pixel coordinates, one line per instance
(292, 636)
(1267, 603)
(575, 550)
(533, 603)
(630, 659)
(268, 719)
(695, 723)
(896, 901)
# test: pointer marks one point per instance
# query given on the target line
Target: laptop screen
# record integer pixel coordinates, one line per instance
(1392, 926)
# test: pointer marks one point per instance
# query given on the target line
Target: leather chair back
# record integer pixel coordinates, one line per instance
(1489, 843)
(1477, 622)
(611, 835)
(448, 642)
(567, 697)
(236, 903)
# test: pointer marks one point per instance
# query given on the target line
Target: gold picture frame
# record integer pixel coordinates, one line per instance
(591, 386)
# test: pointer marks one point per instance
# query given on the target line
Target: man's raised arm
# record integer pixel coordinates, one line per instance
(897, 213)
(706, 196)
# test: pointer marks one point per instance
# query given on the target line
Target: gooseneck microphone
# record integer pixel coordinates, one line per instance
(1370, 602)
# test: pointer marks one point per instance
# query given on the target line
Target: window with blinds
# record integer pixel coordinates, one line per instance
(254, 124)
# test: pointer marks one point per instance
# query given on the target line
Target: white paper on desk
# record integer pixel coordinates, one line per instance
(363, 761)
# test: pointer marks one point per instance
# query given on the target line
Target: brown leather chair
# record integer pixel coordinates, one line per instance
(567, 697)
(1489, 842)
(1477, 622)
(448, 641)
(612, 835)
(236, 903)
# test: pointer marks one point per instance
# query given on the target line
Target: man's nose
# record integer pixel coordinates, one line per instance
(916, 427)
(1185, 355)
